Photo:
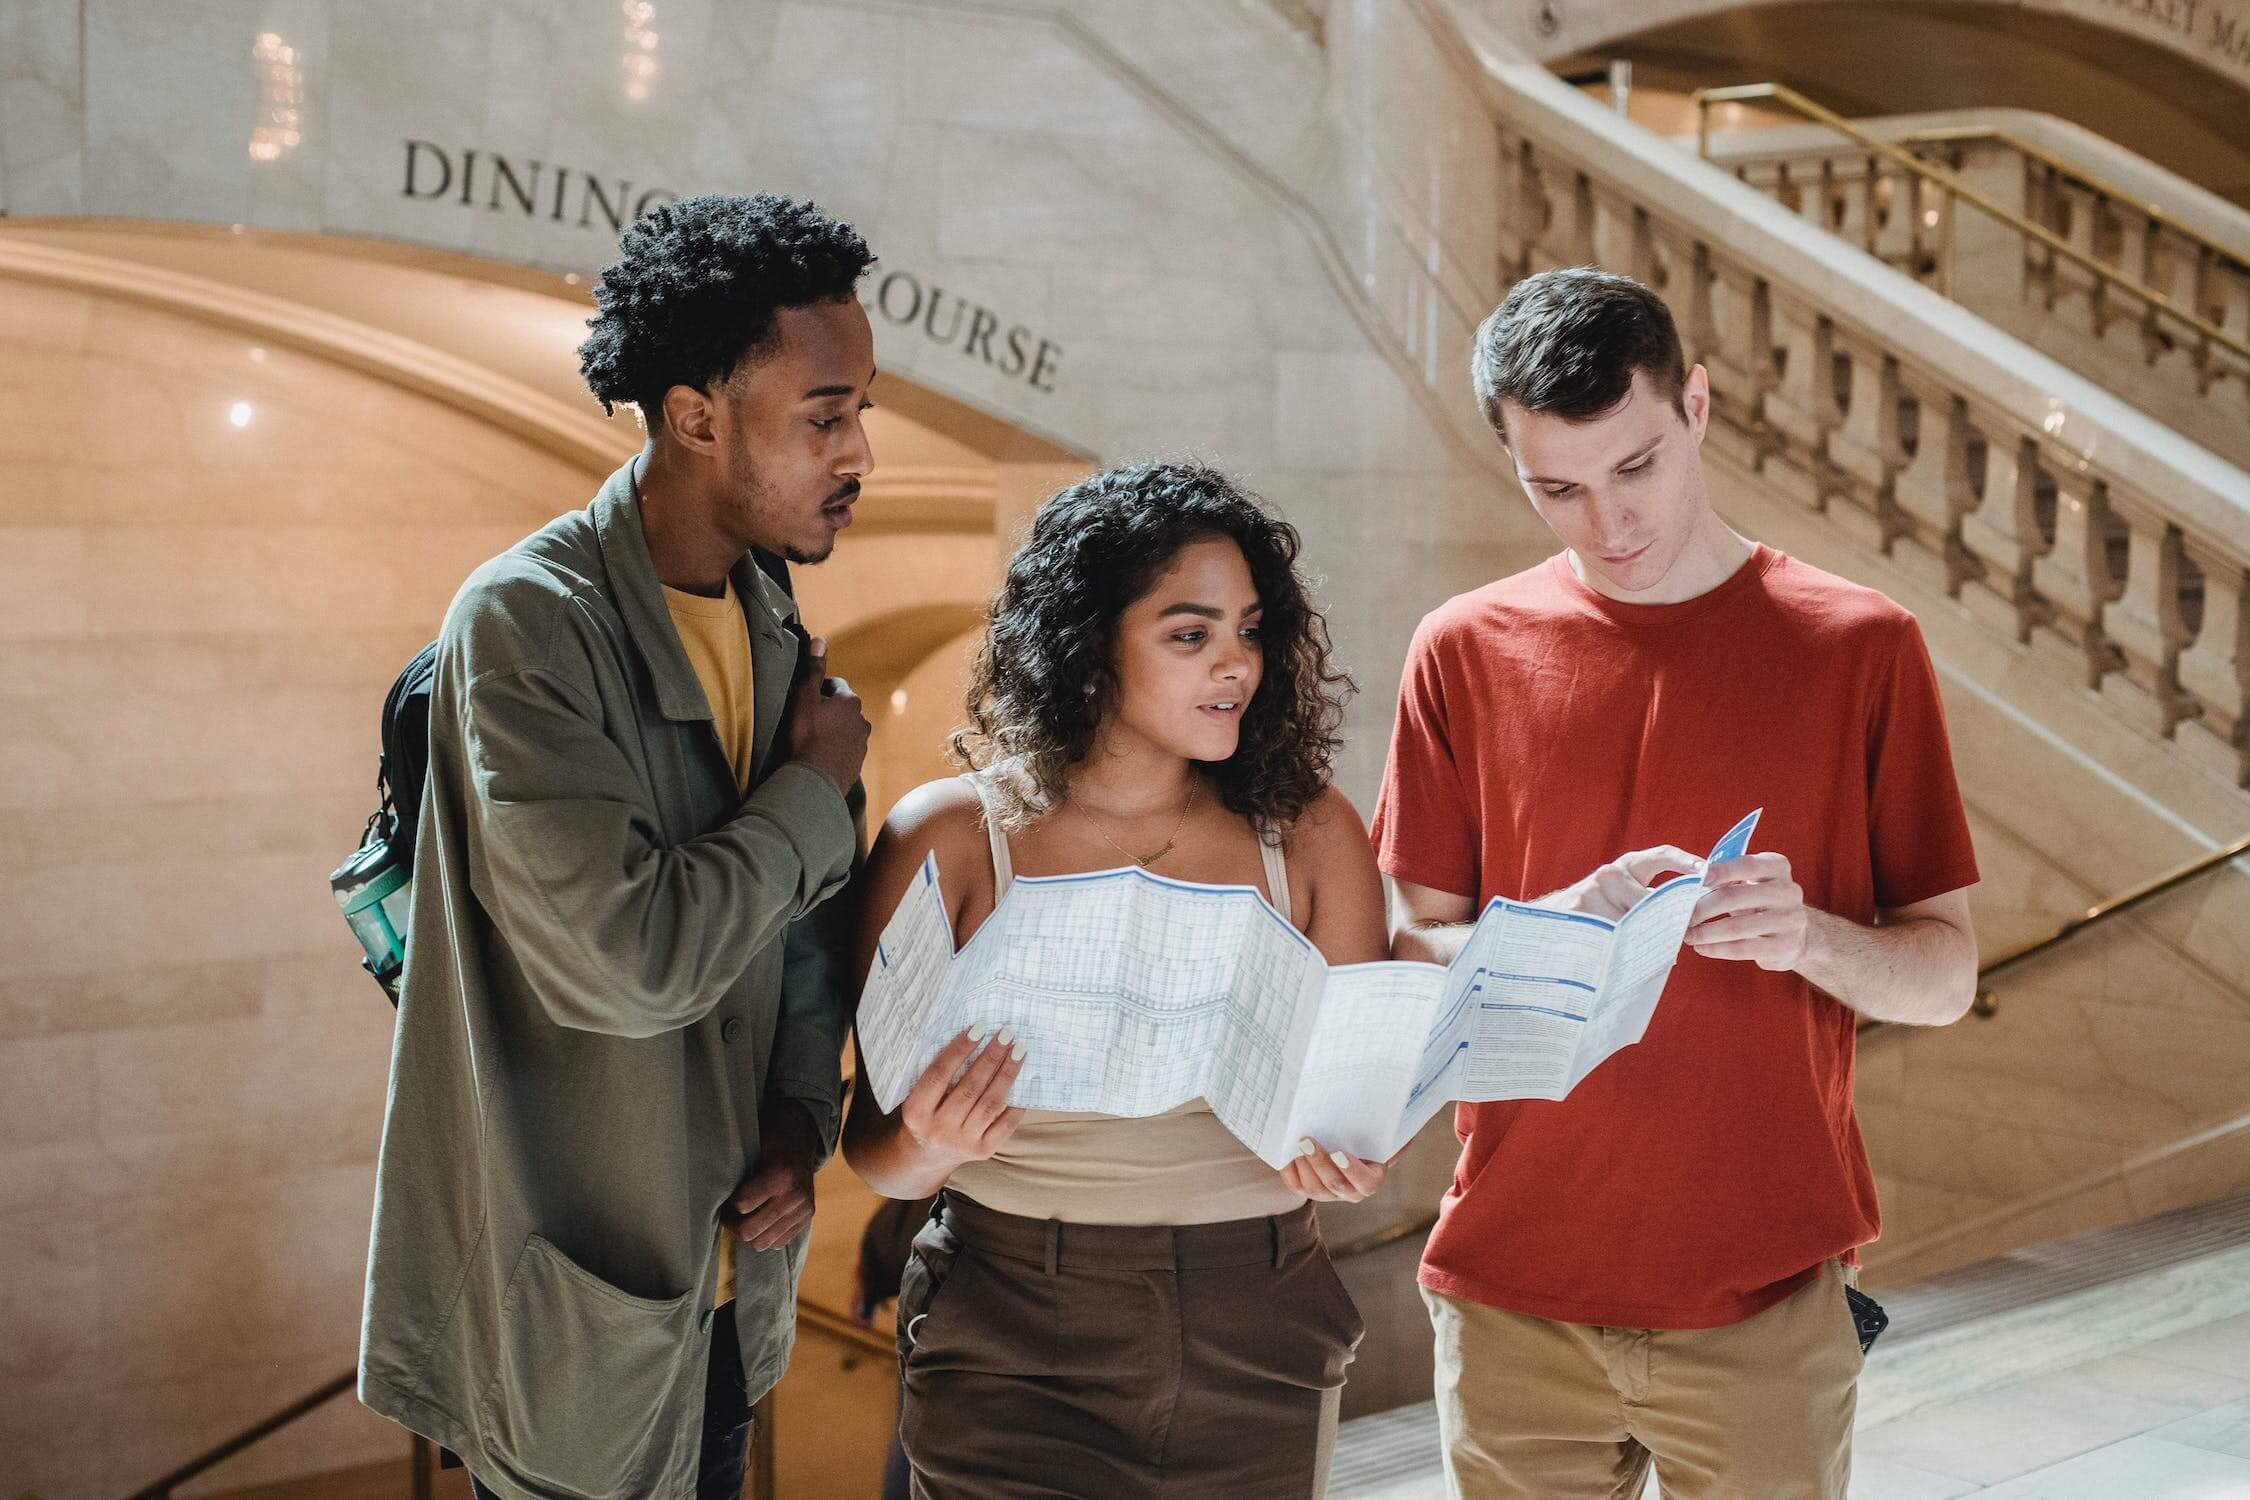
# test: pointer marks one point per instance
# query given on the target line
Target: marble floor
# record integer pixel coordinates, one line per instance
(2138, 1387)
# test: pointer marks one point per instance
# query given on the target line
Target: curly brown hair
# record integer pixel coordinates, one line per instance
(1046, 671)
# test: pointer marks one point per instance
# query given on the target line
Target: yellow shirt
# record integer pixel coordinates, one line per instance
(717, 640)
(718, 647)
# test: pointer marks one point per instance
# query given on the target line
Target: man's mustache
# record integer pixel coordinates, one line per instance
(848, 493)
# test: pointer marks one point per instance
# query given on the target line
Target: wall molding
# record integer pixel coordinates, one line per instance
(959, 501)
(588, 442)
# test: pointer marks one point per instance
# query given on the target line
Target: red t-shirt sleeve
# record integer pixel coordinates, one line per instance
(1425, 825)
(1919, 832)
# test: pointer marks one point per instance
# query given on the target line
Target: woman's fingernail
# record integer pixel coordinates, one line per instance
(1341, 1160)
(1306, 1147)
(976, 1032)
(1018, 1053)
(1007, 1035)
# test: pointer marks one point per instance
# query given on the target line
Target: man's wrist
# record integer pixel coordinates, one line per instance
(843, 788)
(785, 1117)
(1812, 957)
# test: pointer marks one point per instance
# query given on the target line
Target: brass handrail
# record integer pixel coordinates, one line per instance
(1942, 135)
(1389, 1234)
(814, 1316)
(2102, 911)
(844, 1329)
(2211, 333)
(1987, 1001)
(2156, 213)
(219, 1453)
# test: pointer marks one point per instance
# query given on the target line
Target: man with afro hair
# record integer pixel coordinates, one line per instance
(616, 1061)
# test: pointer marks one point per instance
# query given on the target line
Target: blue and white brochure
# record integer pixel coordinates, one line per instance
(1133, 993)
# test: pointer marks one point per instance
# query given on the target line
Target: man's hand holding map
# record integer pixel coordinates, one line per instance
(1133, 994)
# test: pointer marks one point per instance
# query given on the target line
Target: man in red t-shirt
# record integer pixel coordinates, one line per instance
(1653, 1269)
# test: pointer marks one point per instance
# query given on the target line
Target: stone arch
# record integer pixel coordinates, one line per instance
(2168, 82)
(923, 646)
(885, 648)
(2212, 34)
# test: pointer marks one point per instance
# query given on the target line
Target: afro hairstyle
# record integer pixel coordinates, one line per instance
(693, 294)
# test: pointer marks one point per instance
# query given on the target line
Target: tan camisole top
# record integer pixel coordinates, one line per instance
(1179, 1167)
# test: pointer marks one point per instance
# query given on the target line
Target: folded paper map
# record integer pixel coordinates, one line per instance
(1133, 994)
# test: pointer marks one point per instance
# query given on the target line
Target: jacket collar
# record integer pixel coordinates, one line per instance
(768, 613)
(777, 644)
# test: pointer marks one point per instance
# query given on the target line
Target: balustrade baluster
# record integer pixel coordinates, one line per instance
(2073, 576)
(1801, 405)
(1929, 491)
(1583, 250)
(1860, 462)
(2143, 623)
(2214, 668)
(2003, 530)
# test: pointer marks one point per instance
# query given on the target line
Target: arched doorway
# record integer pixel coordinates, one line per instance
(910, 668)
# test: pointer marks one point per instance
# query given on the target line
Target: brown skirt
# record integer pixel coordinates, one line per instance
(1107, 1362)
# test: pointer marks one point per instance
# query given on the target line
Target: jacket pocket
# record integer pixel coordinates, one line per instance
(767, 1279)
(585, 1376)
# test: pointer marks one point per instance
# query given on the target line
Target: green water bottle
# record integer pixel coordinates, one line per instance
(375, 891)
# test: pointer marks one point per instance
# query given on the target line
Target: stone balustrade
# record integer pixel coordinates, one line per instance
(2194, 378)
(2097, 537)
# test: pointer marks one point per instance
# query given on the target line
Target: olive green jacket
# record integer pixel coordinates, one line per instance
(597, 998)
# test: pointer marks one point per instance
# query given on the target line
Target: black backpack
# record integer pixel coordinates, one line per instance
(406, 752)
(375, 886)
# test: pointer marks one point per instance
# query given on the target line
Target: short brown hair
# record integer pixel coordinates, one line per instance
(1570, 341)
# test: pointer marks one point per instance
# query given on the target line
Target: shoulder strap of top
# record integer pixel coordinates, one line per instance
(1003, 868)
(1277, 877)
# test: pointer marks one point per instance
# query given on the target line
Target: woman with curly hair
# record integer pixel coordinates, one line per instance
(1103, 1306)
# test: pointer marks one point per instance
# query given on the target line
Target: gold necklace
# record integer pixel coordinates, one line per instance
(1143, 860)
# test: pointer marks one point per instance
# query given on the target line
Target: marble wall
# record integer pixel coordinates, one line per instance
(1223, 252)
(1227, 252)
(2068, 1109)
(216, 554)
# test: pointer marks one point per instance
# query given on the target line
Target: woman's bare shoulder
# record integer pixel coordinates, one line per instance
(945, 817)
(1334, 864)
(1329, 829)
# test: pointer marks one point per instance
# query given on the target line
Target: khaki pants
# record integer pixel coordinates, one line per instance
(1536, 1410)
